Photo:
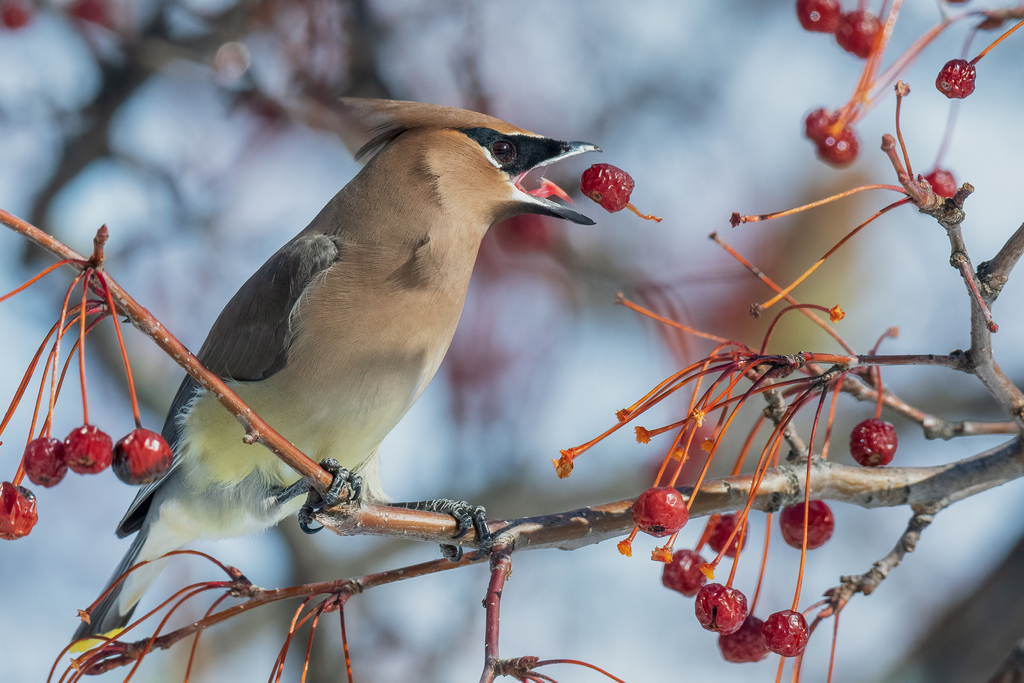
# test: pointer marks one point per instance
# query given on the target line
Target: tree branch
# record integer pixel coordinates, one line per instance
(256, 430)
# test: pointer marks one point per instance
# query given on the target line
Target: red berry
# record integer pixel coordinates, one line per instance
(720, 608)
(956, 79)
(745, 644)
(17, 511)
(141, 457)
(607, 185)
(660, 511)
(720, 536)
(817, 123)
(856, 32)
(94, 11)
(873, 442)
(821, 16)
(839, 148)
(44, 462)
(88, 450)
(785, 633)
(943, 183)
(683, 573)
(820, 524)
(14, 14)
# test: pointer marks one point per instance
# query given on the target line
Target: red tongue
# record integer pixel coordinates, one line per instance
(548, 188)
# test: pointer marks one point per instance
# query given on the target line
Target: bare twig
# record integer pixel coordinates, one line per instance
(501, 568)
(933, 427)
(867, 582)
(993, 274)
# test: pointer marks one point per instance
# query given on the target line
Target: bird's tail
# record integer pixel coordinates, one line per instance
(115, 610)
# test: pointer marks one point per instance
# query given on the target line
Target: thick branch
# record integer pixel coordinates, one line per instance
(867, 487)
(867, 582)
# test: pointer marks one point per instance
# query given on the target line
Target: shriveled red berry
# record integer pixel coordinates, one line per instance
(838, 148)
(785, 633)
(820, 524)
(141, 457)
(14, 14)
(821, 16)
(745, 644)
(720, 608)
(873, 442)
(857, 31)
(88, 450)
(44, 462)
(720, 536)
(17, 511)
(660, 511)
(943, 183)
(956, 79)
(683, 573)
(607, 185)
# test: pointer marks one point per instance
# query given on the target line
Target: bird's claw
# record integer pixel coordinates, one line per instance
(315, 502)
(466, 516)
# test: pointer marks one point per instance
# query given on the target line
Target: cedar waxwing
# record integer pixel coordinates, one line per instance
(336, 336)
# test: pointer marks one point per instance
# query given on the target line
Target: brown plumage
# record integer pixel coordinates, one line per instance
(339, 332)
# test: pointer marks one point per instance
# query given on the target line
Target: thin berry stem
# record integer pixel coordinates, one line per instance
(742, 528)
(807, 501)
(344, 643)
(902, 89)
(40, 276)
(623, 301)
(831, 416)
(577, 662)
(996, 42)
(56, 353)
(67, 361)
(124, 351)
(195, 641)
(768, 281)
(81, 346)
(775, 321)
(831, 251)
(764, 561)
(832, 655)
(738, 467)
(738, 219)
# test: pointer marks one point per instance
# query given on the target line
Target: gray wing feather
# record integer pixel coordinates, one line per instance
(250, 339)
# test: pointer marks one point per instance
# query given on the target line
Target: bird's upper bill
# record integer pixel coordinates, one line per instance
(540, 195)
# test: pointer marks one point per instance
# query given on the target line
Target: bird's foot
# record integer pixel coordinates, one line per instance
(344, 482)
(467, 517)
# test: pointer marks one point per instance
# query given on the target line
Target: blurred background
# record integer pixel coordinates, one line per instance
(203, 133)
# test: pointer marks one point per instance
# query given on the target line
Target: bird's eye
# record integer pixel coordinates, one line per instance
(503, 151)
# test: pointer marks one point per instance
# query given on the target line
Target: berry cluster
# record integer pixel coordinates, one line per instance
(855, 32)
(140, 457)
(723, 609)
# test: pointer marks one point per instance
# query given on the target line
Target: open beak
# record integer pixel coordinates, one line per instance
(539, 197)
